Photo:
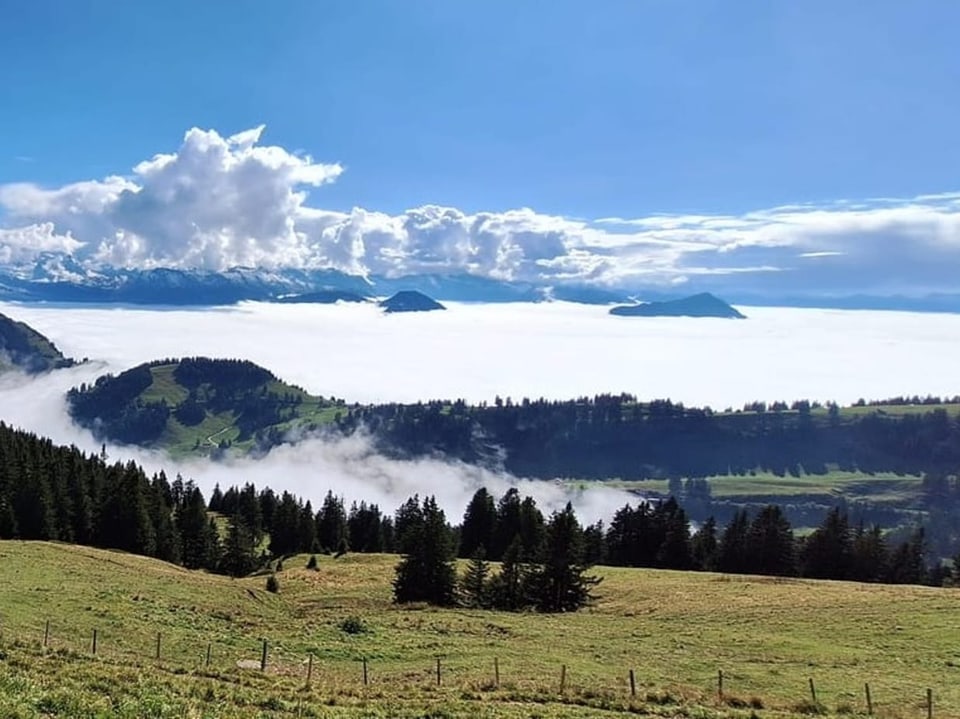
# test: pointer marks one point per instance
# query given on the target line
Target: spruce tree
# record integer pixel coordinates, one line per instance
(474, 586)
(559, 582)
(510, 587)
(479, 523)
(426, 572)
(238, 558)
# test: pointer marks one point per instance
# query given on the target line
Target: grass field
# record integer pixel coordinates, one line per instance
(675, 630)
(883, 487)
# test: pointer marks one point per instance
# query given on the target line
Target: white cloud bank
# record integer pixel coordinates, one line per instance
(219, 202)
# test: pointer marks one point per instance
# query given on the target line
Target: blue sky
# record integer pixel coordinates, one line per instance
(614, 108)
(576, 110)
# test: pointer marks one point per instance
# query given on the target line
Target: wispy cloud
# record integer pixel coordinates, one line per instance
(218, 202)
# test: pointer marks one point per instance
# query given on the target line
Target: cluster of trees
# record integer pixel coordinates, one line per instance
(618, 436)
(60, 493)
(551, 578)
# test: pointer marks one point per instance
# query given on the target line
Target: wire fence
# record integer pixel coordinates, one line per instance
(274, 661)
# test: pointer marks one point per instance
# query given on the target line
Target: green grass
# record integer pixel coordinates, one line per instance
(674, 629)
(879, 488)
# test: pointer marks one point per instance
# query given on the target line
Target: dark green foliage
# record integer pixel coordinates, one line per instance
(312, 562)
(770, 543)
(331, 522)
(732, 556)
(239, 555)
(475, 584)
(559, 583)
(510, 588)
(273, 585)
(828, 551)
(426, 572)
(479, 524)
(353, 625)
(704, 546)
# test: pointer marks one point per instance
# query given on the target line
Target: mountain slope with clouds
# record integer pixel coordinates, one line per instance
(218, 203)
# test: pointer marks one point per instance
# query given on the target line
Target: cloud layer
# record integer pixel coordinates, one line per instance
(476, 351)
(219, 202)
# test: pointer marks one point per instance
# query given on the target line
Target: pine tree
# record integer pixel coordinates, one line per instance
(732, 555)
(479, 523)
(474, 587)
(238, 558)
(828, 551)
(426, 572)
(509, 589)
(559, 583)
(770, 544)
(704, 546)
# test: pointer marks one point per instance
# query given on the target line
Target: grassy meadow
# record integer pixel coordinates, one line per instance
(675, 630)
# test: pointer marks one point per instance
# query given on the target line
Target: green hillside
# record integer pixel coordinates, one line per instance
(22, 347)
(675, 630)
(198, 405)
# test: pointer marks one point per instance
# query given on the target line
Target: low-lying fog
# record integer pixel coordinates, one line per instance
(554, 350)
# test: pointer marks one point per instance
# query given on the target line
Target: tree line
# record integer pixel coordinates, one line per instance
(48, 492)
(618, 436)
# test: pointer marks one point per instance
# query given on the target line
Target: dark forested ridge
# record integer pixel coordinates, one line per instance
(28, 350)
(600, 437)
(169, 398)
(616, 436)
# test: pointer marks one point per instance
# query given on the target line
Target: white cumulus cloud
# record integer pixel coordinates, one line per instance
(218, 202)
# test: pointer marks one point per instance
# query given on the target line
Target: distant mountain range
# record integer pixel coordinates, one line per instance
(57, 277)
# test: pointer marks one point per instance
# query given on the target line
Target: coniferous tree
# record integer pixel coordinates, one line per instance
(673, 527)
(770, 543)
(196, 550)
(426, 572)
(475, 584)
(869, 555)
(732, 555)
(479, 524)
(828, 551)
(510, 588)
(559, 583)
(507, 524)
(238, 558)
(704, 546)
(331, 522)
(594, 544)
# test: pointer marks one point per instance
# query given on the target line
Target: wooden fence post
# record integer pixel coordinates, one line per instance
(309, 669)
(263, 657)
(929, 703)
(720, 685)
(496, 672)
(364, 671)
(209, 645)
(813, 693)
(93, 647)
(633, 685)
(866, 690)
(563, 677)
(46, 634)
(438, 671)
(158, 645)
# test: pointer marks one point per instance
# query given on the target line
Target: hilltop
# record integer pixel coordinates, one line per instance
(26, 349)
(701, 305)
(674, 629)
(410, 301)
(196, 405)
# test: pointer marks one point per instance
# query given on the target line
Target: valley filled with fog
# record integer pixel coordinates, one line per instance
(479, 352)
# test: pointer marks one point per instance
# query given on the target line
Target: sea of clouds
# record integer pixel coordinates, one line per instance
(478, 352)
